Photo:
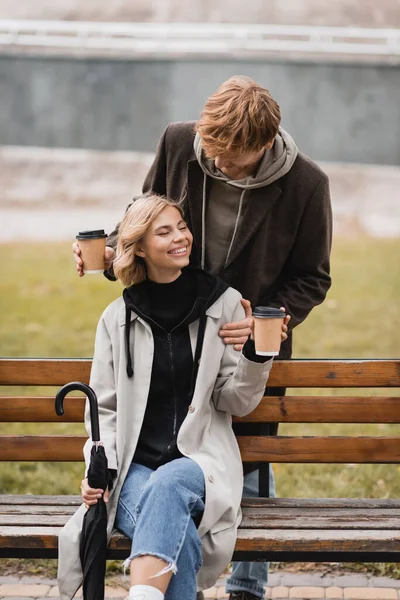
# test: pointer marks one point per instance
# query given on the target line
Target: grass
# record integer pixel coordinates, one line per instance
(361, 312)
(48, 311)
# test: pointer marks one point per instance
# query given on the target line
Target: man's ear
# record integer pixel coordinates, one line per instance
(270, 144)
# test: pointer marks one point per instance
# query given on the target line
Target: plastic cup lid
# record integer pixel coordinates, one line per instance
(268, 312)
(91, 235)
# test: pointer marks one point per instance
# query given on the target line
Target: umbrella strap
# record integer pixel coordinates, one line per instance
(97, 444)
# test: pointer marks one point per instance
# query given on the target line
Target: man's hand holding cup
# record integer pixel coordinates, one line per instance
(93, 259)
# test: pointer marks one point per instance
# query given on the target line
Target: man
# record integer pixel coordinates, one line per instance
(260, 214)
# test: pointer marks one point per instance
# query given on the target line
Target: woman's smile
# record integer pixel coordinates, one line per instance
(179, 251)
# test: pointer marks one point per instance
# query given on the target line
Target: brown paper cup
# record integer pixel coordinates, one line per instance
(267, 333)
(93, 247)
(92, 254)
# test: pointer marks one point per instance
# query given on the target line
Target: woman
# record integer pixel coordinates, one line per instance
(167, 388)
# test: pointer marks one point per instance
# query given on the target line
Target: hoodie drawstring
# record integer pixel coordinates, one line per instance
(129, 369)
(199, 347)
(239, 212)
(203, 223)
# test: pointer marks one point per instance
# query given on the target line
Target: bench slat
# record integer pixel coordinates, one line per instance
(37, 520)
(20, 510)
(56, 448)
(318, 541)
(44, 371)
(325, 409)
(280, 449)
(47, 448)
(30, 501)
(259, 540)
(279, 504)
(39, 500)
(355, 519)
(297, 373)
(283, 409)
(252, 519)
(40, 409)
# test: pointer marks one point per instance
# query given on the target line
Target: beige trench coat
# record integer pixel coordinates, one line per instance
(227, 384)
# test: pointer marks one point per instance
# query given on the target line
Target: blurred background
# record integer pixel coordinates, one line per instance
(86, 89)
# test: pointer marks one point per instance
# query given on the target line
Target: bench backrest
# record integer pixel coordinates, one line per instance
(365, 408)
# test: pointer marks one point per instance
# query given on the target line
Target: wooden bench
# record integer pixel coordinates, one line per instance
(280, 529)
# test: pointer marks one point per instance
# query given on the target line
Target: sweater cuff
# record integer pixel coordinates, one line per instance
(109, 275)
(112, 473)
(249, 352)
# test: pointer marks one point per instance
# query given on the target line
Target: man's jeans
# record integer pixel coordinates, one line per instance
(156, 511)
(251, 576)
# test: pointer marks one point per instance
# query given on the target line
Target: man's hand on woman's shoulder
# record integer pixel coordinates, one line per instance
(237, 333)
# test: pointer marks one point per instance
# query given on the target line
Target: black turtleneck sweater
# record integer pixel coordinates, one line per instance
(169, 308)
(170, 303)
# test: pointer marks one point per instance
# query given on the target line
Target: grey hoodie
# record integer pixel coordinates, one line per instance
(221, 216)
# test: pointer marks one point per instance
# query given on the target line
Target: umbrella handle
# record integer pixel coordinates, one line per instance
(91, 395)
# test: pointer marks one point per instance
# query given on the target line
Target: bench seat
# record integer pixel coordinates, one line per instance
(325, 529)
(281, 529)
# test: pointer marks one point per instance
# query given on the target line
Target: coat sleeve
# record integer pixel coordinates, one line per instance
(308, 268)
(102, 380)
(156, 179)
(112, 240)
(241, 382)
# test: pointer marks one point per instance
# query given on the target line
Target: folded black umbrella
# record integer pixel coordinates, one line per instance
(93, 544)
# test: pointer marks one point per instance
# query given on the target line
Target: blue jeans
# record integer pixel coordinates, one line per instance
(156, 510)
(251, 576)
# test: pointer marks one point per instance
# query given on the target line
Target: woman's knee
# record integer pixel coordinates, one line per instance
(180, 472)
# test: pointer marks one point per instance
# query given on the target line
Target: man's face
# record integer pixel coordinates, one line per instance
(235, 165)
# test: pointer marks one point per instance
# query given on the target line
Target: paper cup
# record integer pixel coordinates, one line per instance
(93, 246)
(267, 330)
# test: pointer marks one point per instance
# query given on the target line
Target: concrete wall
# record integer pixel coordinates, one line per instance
(360, 13)
(335, 112)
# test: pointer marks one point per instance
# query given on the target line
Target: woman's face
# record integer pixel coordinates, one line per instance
(166, 246)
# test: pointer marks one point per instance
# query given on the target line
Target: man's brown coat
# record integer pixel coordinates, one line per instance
(280, 256)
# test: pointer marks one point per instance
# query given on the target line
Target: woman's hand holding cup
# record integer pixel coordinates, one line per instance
(270, 329)
(284, 332)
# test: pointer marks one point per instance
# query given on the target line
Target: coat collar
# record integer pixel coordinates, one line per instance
(214, 311)
(254, 212)
(195, 183)
(121, 315)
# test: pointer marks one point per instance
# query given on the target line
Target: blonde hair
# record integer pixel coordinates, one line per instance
(241, 116)
(129, 268)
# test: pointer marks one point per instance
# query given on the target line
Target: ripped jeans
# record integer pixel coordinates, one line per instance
(156, 511)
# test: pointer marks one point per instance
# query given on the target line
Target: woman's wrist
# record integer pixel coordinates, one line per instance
(249, 352)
